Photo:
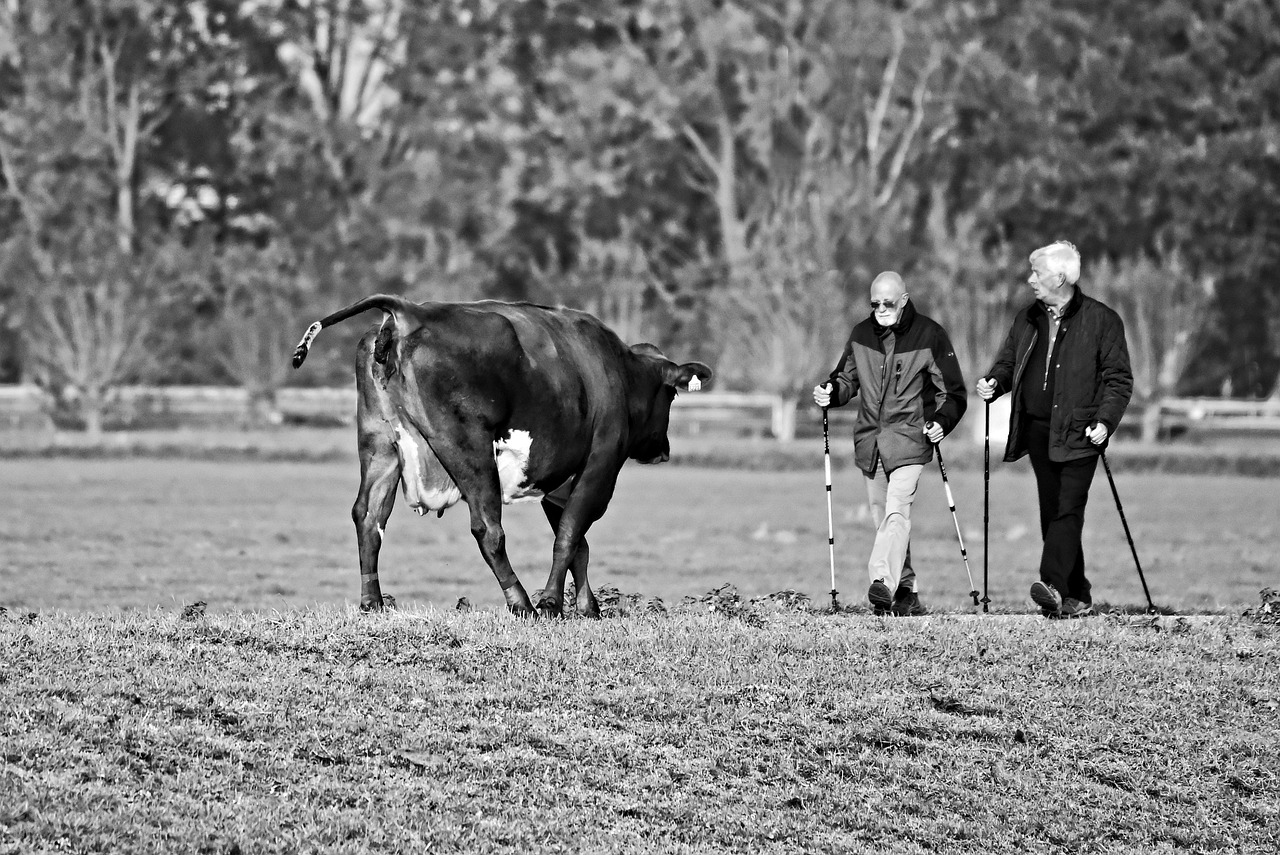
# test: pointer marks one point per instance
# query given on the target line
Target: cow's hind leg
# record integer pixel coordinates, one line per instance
(486, 527)
(587, 605)
(467, 455)
(379, 475)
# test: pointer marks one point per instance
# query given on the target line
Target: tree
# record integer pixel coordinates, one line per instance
(257, 291)
(88, 93)
(90, 327)
(1163, 305)
(790, 98)
(964, 282)
(1135, 129)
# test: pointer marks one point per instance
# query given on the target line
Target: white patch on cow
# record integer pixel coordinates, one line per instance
(382, 535)
(694, 383)
(422, 497)
(512, 457)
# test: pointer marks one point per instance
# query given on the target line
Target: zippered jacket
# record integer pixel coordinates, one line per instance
(903, 376)
(1092, 381)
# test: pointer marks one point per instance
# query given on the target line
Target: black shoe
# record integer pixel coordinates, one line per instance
(878, 595)
(1046, 598)
(1073, 608)
(906, 603)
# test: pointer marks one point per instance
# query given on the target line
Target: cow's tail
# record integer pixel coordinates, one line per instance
(396, 307)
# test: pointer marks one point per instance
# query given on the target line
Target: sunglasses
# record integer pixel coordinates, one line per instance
(888, 304)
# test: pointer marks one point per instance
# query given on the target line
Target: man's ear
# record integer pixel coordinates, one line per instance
(689, 377)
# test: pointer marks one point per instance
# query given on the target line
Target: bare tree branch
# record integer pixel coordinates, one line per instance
(876, 115)
(913, 126)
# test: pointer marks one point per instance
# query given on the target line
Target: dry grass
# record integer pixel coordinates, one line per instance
(424, 730)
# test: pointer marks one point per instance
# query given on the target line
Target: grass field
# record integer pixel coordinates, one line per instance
(437, 731)
(282, 720)
(137, 534)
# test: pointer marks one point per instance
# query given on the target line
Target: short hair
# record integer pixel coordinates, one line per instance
(1061, 256)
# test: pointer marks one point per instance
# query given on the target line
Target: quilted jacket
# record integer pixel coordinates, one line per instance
(1092, 379)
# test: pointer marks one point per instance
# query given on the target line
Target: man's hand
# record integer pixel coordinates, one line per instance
(1097, 434)
(986, 387)
(933, 431)
(822, 395)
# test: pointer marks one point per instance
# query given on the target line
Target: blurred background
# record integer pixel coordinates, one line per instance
(184, 187)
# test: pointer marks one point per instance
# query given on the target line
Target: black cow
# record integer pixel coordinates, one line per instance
(493, 402)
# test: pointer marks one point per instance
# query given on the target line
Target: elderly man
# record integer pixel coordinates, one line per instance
(1067, 365)
(901, 366)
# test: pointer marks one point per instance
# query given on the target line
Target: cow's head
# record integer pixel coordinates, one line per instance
(651, 398)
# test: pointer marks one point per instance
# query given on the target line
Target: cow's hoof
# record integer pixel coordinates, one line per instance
(367, 606)
(518, 601)
(588, 607)
(548, 609)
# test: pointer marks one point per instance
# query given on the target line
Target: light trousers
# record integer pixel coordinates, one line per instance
(890, 496)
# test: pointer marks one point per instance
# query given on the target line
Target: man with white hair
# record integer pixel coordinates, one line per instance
(1067, 365)
(904, 372)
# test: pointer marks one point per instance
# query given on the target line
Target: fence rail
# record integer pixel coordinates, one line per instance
(757, 414)
(1209, 414)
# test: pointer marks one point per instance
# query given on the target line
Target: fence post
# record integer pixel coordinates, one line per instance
(782, 418)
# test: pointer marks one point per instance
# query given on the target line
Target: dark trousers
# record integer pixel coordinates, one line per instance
(1064, 490)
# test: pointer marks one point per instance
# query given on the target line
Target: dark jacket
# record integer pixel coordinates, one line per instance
(904, 376)
(1092, 380)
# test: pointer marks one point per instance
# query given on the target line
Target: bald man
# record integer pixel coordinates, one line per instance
(901, 367)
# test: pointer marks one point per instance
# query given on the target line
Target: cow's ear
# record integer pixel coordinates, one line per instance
(689, 377)
(646, 349)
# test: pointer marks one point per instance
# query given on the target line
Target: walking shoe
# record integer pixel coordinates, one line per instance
(1075, 608)
(1046, 598)
(878, 594)
(906, 603)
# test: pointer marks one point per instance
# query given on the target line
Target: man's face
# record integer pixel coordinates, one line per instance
(888, 299)
(1047, 286)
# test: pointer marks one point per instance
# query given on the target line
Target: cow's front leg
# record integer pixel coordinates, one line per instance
(379, 475)
(587, 605)
(584, 505)
(551, 606)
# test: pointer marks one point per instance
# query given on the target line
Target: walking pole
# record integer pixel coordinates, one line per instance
(986, 502)
(946, 485)
(831, 529)
(1151, 607)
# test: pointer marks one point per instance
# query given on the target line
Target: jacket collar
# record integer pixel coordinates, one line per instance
(1073, 305)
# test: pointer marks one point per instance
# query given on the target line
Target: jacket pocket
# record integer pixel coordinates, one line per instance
(1082, 415)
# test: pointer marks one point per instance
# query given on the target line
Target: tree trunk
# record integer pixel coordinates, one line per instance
(1151, 421)
(732, 232)
(784, 418)
(93, 405)
(262, 409)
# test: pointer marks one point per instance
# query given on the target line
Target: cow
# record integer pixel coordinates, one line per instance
(490, 403)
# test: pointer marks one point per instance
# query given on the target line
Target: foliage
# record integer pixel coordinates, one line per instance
(1163, 308)
(716, 177)
(1268, 610)
(93, 322)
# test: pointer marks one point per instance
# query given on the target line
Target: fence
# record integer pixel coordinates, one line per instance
(753, 414)
(1218, 415)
